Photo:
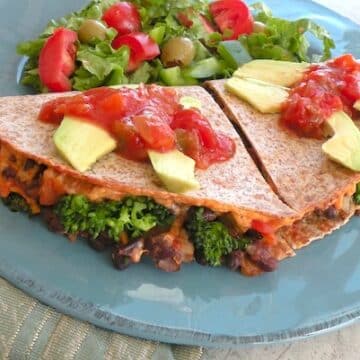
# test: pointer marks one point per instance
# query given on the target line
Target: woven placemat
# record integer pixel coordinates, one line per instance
(31, 330)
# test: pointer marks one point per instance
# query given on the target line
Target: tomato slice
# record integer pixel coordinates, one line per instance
(232, 15)
(130, 145)
(154, 131)
(190, 119)
(142, 47)
(124, 17)
(262, 227)
(57, 60)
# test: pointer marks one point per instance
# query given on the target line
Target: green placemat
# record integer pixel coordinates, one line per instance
(30, 330)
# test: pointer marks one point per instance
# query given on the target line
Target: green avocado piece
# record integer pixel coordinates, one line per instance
(344, 146)
(189, 102)
(357, 105)
(82, 143)
(264, 97)
(283, 73)
(234, 53)
(175, 170)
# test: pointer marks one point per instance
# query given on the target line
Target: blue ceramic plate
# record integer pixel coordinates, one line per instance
(316, 291)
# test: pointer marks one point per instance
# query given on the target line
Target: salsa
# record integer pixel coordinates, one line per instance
(325, 89)
(146, 118)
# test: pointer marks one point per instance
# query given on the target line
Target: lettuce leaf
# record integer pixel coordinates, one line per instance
(286, 40)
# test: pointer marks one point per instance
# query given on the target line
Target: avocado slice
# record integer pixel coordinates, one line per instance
(344, 146)
(357, 105)
(82, 143)
(283, 73)
(189, 102)
(265, 97)
(175, 170)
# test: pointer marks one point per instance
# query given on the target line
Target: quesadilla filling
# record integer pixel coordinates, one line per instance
(130, 226)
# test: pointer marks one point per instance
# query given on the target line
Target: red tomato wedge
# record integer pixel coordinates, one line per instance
(262, 227)
(233, 16)
(155, 132)
(124, 17)
(57, 60)
(142, 47)
(129, 144)
(192, 120)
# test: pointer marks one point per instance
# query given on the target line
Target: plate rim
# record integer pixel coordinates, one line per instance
(94, 314)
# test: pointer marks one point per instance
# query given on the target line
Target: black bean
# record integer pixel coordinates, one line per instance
(101, 243)
(52, 220)
(331, 213)
(29, 164)
(200, 257)
(121, 262)
(235, 260)
(253, 235)
(9, 173)
(262, 257)
(209, 215)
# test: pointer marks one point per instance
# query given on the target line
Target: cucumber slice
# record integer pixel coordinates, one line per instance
(174, 77)
(205, 69)
(234, 53)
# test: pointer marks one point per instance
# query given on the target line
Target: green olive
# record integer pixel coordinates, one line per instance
(259, 27)
(178, 51)
(91, 29)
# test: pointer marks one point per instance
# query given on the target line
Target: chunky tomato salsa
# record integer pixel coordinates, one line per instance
(325, 89)
(149, 117)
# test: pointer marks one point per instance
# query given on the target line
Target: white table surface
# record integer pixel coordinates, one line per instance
(343, 344)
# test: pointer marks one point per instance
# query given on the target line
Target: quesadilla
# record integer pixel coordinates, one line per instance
(233, 196)
(316, 188)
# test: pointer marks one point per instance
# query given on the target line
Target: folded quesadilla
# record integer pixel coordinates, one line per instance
(234, 217)
(316, 188)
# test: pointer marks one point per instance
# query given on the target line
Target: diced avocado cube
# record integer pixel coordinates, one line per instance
(158, 33)
(82, 143)
(282, 73)
(189, 102)
(344, 146)
(201, 52)
(206, 68)
(174, 77)
(265, 97)
(175, 170)
(234, 53)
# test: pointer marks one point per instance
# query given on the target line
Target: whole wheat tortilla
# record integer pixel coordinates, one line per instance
(298, 171)
(234, 186)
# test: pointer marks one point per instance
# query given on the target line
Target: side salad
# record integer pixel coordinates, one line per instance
(168, 42)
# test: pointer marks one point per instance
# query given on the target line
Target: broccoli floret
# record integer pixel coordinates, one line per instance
(356, 196)
(135, 215)
(16, 203)
(212, 238)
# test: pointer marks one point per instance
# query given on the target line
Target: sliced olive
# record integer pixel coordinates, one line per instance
(91, 29)
(178, 51)
(259, 27)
